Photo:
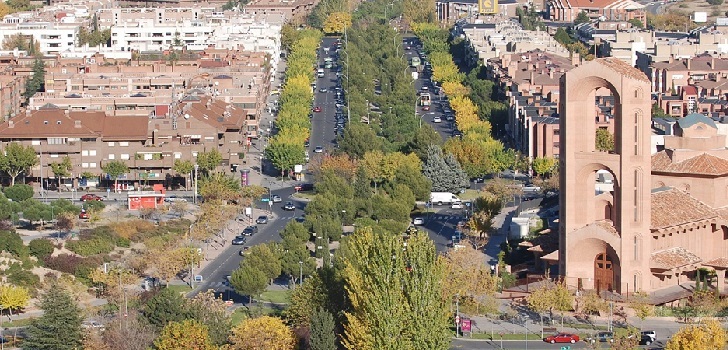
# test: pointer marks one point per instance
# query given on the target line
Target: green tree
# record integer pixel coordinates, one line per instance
(60, 326)
(638, 24)
(563, 37)
(219, 187)
(394, 291)
(209, 160)
(19, 192)
(358, 139)
(444, 171)
(211, 312)
(37, 82)
(285, 156)
(61, 169)
(265, 258)
(604, 140)
(582, 17)
(187, 334)
(17, 159)
(657, 111)
(322, 335)
(34, 211)
(11, 242)
(165, 307)
(248, 280)
(184, 168)
(40, 248)
(114, 169)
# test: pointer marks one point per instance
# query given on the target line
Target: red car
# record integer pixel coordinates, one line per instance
(425, 108)
(317, 109)
(83, 215)
(90, 197)
(562, 338)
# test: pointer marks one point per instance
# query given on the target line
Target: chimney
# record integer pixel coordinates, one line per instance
(11, 124)
(575, 59)
(77, 124)
(551, 73)
(687, 62)
(66, 112)
(712, 62)
(672, 58)
(532, 77)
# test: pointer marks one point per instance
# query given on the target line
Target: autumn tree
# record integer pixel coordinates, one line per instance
(468, 277)
(134, 333)
(543, 165)
(209, 160)
(187, 334)
(262, 333)
(60, 326)
(337, 22)
(707, 335)
(549, 298)
(115, 169)
(219, 187)
(211, 312)
(604, 140)
(641, 305)
(17, 159)
(13, 298)
(590, 303)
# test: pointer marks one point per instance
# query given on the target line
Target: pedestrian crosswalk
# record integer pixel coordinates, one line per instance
(446, 217)
(219, 286)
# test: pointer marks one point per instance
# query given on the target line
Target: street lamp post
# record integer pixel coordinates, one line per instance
(416, 112)
(192, 260)
(194, 182)
(2, 333)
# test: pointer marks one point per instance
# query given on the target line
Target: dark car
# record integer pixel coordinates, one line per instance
(562, 338)
(263, 219)
(239, 240)
(250, 230)
(289, 206)
(90, 197)
(646, 339)
(602, 337)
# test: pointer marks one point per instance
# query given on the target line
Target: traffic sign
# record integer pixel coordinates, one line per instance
(566, 347)
(265, 199)
(457, 319)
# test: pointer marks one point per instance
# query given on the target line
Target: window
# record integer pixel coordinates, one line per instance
(92, 165)
(111, 156)
(125, 156)
(84, 165)
(35, 142)
(84, 153)
(92, 152)
(111, 144)
(177, 155)
(54, 155)
(123, 144)
(56, 141)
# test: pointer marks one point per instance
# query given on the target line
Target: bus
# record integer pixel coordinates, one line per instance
(425, 99)
(328, 62)
(415, 62)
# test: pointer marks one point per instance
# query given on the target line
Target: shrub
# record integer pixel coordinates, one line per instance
(132, 229)
(19, 192)
(41, 248)
(77, 266)
(21, 277)
(11, 242)
(100, 240)
(94, 206)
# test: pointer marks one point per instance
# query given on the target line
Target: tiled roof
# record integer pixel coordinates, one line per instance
(672, 207)
(672, 258)
(695, 118)
(690, 90)
(704, 164)
(721, 262)
(76, 124)
(623, 68)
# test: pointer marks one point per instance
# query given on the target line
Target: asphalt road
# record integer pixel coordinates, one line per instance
(440, 225)
(323, 123)
(513, 344)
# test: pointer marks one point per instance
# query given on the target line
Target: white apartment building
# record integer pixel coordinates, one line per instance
(53, 38)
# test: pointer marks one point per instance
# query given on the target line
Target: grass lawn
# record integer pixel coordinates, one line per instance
(305, 195)
(468, 195)
(275, 296)
(180, 288)
(245, 312)
(17, 323)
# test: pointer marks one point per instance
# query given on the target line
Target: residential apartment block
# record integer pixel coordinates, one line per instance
(605, 10)
(149, 146)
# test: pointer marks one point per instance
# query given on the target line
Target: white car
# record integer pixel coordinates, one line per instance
(456, 205)
(437, 120)
(418, 221)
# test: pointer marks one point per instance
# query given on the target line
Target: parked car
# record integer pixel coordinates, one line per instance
(244, 251)
(93, 325)
(250, 230)
(276, 198)
(425, 108)
(263, 219)
(323, 90)
(602, 337)
(437, 120)
(650, 334)
(239, 240)
(289, 206)
(317, 109)
(456, 205)
(90, 197)
(418, 221)
(562, 338)
(646, 340)
(318, 149)
(83, 215)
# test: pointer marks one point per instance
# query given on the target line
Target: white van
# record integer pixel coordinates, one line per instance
(320, 73)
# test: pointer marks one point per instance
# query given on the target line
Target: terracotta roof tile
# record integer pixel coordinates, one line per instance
(623, 67)
(704, 164)
(721, 262)
(672, 258)
(673, 207)
(56, 123)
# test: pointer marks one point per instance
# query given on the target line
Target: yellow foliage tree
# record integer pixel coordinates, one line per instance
(707, 335)
(4, 9)
(468, 276)
(13, 297)
(262, 333)
(167, 263)
(454, 88)
(337, 22)
(466, 113)
(188, 334)
(113, 281)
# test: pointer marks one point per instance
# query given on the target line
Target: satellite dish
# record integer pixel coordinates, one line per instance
(187, 116)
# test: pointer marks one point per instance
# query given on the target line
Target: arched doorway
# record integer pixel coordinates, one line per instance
(603, 272)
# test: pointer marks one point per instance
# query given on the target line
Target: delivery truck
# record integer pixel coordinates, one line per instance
(441, 198)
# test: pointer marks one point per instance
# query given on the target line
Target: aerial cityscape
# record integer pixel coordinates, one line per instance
(363, 175)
